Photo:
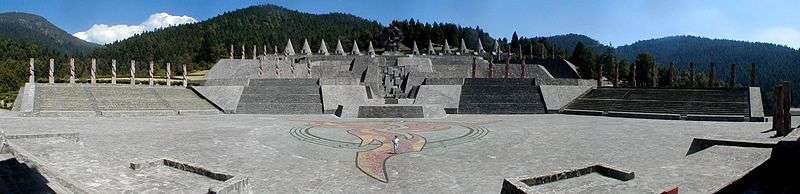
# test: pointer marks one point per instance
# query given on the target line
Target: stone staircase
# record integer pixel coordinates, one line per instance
(281, 96)
(500, 96)
(665, 101)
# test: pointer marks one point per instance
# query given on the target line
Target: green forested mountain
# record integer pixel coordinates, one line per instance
(24, 27)
(205, 42)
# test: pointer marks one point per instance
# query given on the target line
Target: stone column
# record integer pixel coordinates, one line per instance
(599, 75)
(133, 72)
(508, 60)
(150, 73)
(787, 95)
(94, 72)
(615, 82)
(671, 75)
(474, 66)
(51, 78)
(72, 70)
(782, 118)
(654, 68)
(231, 55)
(491, 68)
(732, 79)
(265, 50)
(169, 74)
(113, 71)
(243, 52)
(185, 78)
(308, 67)
(523, 68)
(753, 81)
(633, 74)
(31, 77)
(255, 52)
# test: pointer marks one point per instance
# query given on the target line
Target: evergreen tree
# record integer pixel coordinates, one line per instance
(582, 57)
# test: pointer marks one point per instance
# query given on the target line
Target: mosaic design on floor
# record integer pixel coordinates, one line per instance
(376, 147)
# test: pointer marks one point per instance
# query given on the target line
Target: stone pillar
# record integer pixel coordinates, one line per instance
(169, 74)
(633, 74)
(150, 73)
(712, 76)
(474, 66)
(51, 78)
(507, 62)
(243, 52)
(787, 95)
(185, 78)
(671, 75)
(231, 55)
(113, 71)
(753, 75)
(654, 68)
(615, 81)
(72, 70)
(255, 52)
(31, 77)
(133, 72)
(599, 77)
(308, 67)
(732, 79)
(523, 69)
(94, 72)
(265, 50)
(491, 68)
(782, 118)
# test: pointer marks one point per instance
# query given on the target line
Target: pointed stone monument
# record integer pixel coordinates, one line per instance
(355, 50)
(31, 77)
(480, 47)
(339, 48)
(370, 49)
(289, 50)
(431, 50)
(94, 72)
(113, 71)
(72, 70)
(446, 48)
(133, 72)
(51, 79)
(169, 74)
(463, 48)
(150, 73)
(497, 48)
(415, 50)
(323, 48)
(306, 48)
(185, 78)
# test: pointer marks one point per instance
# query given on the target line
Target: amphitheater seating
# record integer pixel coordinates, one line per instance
(118, 99)
(500, 96)
(281, 96)
(679, 102)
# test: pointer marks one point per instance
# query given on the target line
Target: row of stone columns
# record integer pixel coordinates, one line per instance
(93, 77)
(671, 75)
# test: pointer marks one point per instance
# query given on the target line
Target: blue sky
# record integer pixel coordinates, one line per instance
(616, 22)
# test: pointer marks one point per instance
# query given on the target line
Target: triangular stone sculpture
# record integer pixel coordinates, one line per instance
(323, 49)
(463, 49)
(339, 48)
(480, 47)
(497, 48)
(370, 49)
(355, 50)
(306, 48)
(446, 47)
(415, 50)
(431, 51)
(289, 50)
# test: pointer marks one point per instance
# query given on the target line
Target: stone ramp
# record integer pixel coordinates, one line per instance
(281, 96)
(500, 96)
(117, 100)
(688, 104)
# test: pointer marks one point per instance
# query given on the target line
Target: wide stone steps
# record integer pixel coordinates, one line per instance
(119, 98)
(500, 96)
(665, 101)
(281, 96)
(282, 82)
(282, 90)
(279, 108)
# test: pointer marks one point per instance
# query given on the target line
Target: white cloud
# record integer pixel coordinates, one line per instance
(780, 35)
(104, 34)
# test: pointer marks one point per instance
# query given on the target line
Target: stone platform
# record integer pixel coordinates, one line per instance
(322, 153)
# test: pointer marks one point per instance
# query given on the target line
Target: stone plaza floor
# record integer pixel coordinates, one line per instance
(456, 154)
